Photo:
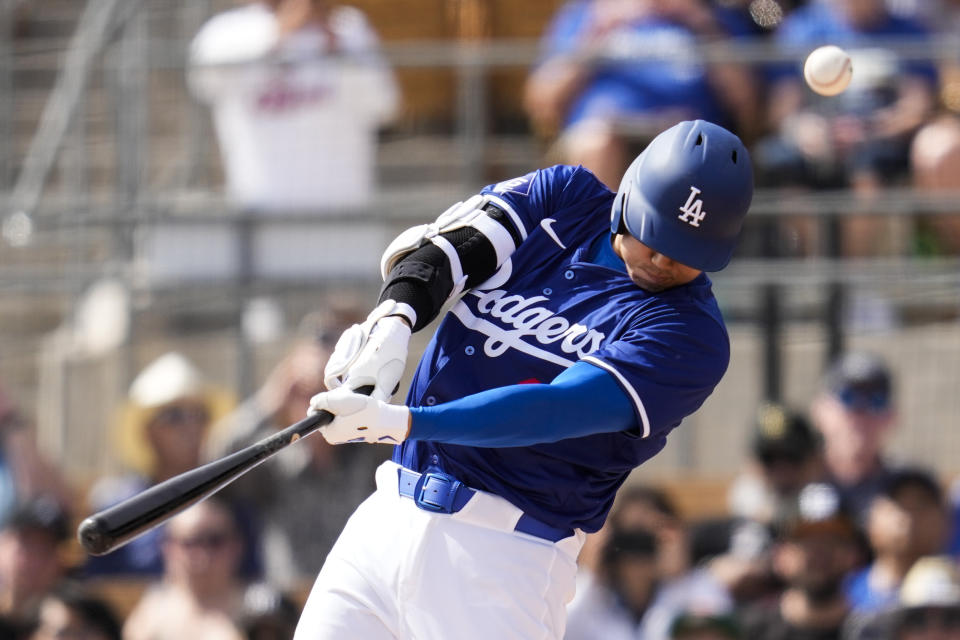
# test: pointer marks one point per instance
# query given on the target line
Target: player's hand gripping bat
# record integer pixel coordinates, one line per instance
(115, 526)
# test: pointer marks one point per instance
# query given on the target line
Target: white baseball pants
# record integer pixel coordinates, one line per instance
(398, 571)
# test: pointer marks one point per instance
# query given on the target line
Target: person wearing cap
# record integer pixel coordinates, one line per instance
(907, 520)
(644, 579)
(854, 413)
(169, 412)
(737, 552)
(815, 551)
(926, 607)
(929, 605)
(31, 564)
(786, 456)
(201, 592)
(633, 551)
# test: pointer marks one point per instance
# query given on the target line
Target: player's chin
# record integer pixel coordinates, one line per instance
(653, 285)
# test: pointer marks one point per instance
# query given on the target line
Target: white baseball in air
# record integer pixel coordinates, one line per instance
(828, 70)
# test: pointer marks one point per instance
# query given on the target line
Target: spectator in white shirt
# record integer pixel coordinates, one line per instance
(298, 90)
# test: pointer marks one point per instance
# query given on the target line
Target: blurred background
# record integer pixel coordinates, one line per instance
(194, 196)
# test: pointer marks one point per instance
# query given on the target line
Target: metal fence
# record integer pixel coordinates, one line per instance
(110, 166)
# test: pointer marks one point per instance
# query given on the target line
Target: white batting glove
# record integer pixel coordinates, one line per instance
(360, 418)
(373, 353)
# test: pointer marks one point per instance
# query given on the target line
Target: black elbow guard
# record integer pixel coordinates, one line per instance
(423, 280)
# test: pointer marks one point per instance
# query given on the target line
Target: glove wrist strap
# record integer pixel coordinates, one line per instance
(392, 308)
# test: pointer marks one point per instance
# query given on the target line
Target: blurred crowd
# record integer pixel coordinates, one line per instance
(234, 566)
(616, 72)
(827, 534)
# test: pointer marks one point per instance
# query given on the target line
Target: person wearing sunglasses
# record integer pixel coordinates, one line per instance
(855, 414)
(907, 521)
(927, 606)
(169, 412)
(201, 592)
(930, 623)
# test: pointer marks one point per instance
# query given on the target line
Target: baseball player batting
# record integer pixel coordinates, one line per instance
(585, 331)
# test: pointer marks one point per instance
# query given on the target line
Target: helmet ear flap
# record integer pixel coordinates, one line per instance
(622, 227)
(618, 224)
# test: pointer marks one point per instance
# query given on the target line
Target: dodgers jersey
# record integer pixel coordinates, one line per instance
(546, 308)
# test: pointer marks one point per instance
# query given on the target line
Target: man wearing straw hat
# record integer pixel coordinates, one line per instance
(159, 434)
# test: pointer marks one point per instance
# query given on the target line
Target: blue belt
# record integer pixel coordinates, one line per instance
(442, 493)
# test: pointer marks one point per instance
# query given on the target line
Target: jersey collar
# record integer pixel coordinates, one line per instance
(600, 252)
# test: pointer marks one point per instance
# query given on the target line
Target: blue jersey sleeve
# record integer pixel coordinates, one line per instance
(559, 192)
(667, 366)
(581, 401)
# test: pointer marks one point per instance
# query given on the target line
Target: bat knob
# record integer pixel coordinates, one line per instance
(93, 536)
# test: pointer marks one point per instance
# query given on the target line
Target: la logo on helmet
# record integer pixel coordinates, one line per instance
(693, 213)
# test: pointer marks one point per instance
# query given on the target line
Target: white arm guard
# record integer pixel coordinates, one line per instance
(462, 214)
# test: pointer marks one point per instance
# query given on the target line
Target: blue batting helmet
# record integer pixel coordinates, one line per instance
(686, 195)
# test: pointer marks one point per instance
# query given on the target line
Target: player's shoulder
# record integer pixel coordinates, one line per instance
(674, 308)
(577, 175)
(691, 307)
(576, 186)
(556, 183)
(561, 193)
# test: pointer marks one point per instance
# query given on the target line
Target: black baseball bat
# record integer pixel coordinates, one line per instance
(115, 526)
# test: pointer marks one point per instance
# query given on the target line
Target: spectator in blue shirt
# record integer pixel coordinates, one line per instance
(855, 412)
(908, 520)
(616, 72)
(861, 138)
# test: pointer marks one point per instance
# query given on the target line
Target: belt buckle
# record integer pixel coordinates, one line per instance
(436, 492)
